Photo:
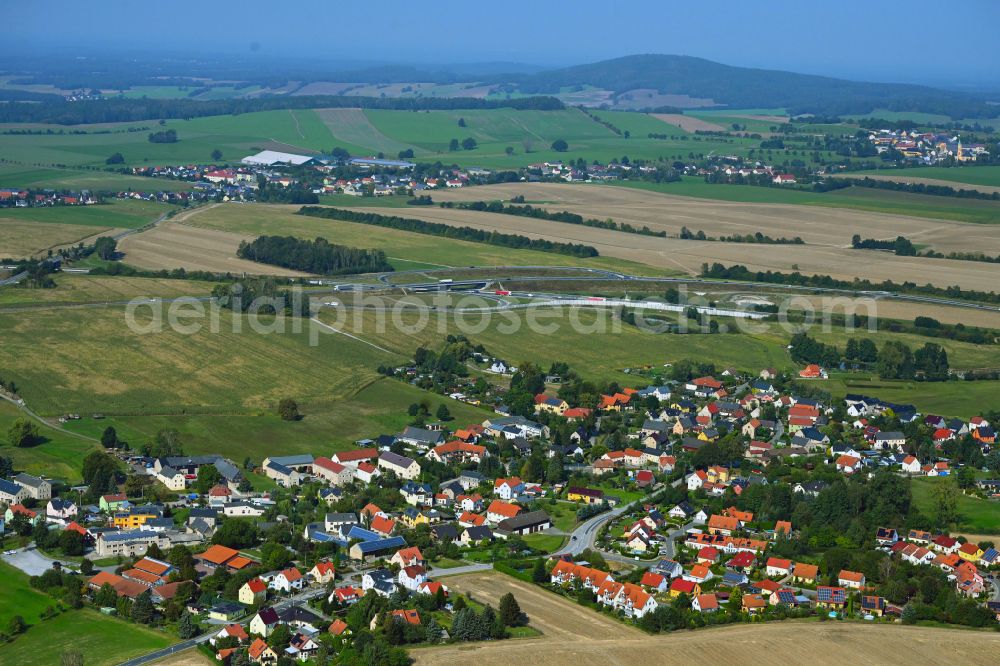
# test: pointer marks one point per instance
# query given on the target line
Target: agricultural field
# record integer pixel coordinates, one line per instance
(972, 175)
(103, 640)
(572, 635)
(176, 245)
(220, 229)
(77, 288)
(20, 239)
(26, 232)
(93, 361)
(236, 136)
(976, 515)
(94, 179)
(900, 176)
(367, 132)
(662, 209)
(689, 255)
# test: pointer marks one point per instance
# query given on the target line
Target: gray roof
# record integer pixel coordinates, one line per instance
(292, 461)
(130, 535)
(228, 470)
(342, 518)
(421, 435)
(396, 459)
(529, 519)
(28, 480)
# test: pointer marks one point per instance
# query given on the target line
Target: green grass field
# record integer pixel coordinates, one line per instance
(975, 515)
(326, 426)
(118, 214)
(13, 175)
(60, 455)
(103, 640)
(954, 398)
(529, 133)
(236, 136)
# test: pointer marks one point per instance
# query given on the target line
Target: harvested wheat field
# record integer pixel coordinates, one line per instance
(688, 123)
(900, 176)
(176, 245)
(816, 225)
(189, 658)
(688, 255)
(573, 635)
(23, 238)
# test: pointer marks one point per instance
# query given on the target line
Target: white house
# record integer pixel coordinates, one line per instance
(288, 580)
(910, 465)
(411, 577)
(401, 466)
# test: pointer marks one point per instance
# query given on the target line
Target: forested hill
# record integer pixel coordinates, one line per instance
(742, 87)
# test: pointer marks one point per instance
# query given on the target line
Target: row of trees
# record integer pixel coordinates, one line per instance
(562, 216)
(448, 231)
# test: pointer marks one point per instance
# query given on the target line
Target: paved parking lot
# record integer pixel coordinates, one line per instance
(30, 562)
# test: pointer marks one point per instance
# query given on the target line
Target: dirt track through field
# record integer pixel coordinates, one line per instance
(688, 255)
(576, 636)
(353, 126)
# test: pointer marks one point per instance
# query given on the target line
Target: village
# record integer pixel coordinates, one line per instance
(689, 498)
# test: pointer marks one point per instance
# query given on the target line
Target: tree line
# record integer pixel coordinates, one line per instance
(318, 256)
(913, 188)
(741, 272)
(448, 231)
(562, 216)
(758, 237)
(894, 360)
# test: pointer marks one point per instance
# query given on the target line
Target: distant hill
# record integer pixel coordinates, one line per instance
(747, 88)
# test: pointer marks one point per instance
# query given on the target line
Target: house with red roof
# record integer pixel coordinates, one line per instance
(499, 510)
(253, 592)
(288, 580)
(323, 572)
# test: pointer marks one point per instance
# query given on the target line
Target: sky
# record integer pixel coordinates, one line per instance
(950, 44)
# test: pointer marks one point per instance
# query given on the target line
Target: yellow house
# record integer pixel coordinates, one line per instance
(131, 521)
(970, 552)
(253, 592)
(544, 403)
(717, 474)
(585, 495)
(413, 517)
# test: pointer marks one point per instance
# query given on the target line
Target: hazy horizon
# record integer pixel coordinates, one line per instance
(855, 40)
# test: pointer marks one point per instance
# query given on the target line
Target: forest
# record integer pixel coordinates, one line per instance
(318, 256)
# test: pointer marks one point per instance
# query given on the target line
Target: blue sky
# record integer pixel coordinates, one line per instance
(913, 40)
